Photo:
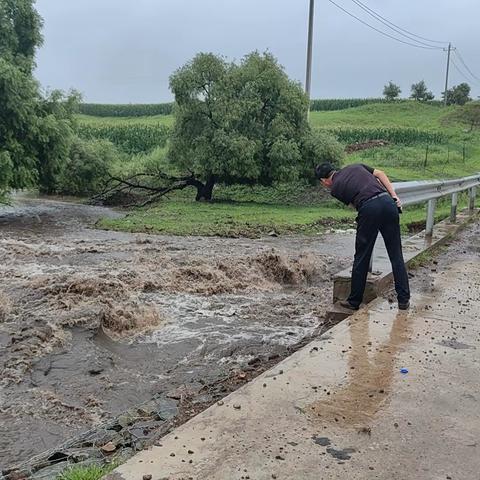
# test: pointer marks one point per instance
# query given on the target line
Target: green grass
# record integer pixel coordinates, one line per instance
(405, 162)
(92, 472)
(251, 219)
(404, 115)
(241, 210)
(228, 219)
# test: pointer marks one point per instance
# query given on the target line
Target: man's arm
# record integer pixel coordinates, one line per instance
(384, 180)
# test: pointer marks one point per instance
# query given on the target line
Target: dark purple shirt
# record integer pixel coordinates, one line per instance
(355, 184)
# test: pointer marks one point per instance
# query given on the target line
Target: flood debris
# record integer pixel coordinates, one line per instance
(322, 441)
(343, 454)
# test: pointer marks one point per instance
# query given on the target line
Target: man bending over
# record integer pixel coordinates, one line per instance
(371, 193)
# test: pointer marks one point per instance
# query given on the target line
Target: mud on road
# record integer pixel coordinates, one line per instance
(94, 322)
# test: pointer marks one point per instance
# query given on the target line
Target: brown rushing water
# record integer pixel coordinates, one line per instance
(93, 322)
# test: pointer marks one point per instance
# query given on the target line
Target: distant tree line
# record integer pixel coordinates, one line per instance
(457, 95)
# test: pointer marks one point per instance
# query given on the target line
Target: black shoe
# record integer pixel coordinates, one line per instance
(347, 304)
(403, 305)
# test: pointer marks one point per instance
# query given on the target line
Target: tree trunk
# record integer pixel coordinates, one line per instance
(205, 191)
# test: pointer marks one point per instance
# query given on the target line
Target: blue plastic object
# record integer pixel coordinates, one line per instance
(404, 370)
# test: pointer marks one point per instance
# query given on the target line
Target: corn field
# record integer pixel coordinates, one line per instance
(128, 110)
(146, 110)
(129, 138)
(330, 104)
(402, 136)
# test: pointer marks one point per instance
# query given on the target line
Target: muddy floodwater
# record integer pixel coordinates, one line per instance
(93, 322)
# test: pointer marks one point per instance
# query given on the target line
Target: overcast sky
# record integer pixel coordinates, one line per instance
(123, 51)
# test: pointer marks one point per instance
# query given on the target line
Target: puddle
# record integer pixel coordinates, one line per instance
(371, 370)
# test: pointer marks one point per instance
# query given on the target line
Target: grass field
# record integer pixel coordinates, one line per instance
(290, 208)
(404, 114)
(458, 155)
(406, 162)
(252, 219)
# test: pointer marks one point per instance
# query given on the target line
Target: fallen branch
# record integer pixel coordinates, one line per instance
(145, 188)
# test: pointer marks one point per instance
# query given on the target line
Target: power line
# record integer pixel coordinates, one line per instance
(381, 31)
(466, 66)
(462, 73)
(396, 28)
(358, 2)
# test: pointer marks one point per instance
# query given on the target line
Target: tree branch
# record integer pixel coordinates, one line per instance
(146, 187)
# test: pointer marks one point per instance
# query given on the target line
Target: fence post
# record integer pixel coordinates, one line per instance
(430, 217)
(471, 199)
(453, 210)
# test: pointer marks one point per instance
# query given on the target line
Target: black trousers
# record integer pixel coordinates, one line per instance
(378, 215)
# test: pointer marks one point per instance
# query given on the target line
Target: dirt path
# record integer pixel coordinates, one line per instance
(93, 322)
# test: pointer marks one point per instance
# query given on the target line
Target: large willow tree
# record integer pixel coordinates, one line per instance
(242, 123)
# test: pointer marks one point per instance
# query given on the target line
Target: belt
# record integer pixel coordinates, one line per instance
(372, 198)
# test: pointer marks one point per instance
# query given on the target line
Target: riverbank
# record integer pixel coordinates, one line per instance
(185, 217)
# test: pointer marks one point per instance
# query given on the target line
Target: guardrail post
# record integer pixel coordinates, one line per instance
(430, 217)
(471, 198)
(453, 210)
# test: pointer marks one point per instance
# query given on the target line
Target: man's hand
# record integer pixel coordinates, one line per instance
(398, 202)
(383, 179)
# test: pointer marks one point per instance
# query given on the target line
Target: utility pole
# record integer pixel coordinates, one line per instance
(446, 76)
(308, 81)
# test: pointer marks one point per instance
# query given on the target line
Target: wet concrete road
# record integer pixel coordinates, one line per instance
(93, 322)
(385, 395)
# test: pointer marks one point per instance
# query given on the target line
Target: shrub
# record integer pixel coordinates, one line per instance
(87, 167)
(318, 148)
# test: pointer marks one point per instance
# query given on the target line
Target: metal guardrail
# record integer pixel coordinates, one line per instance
(421, 191)
(411, 193)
